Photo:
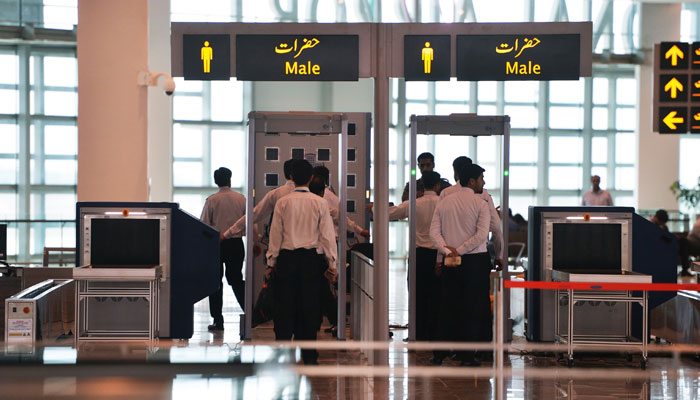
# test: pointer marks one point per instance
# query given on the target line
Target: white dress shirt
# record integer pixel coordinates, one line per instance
(262, 210)
(601, 198)
(425, 207)
(223, 209)
(333, 205)
(302, 220)
(461, 221)
(495, 221)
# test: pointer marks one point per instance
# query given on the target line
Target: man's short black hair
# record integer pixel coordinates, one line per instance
(428, 156)
(471, 171)
(460, 162)
(661, 215)
(430, 179)
(301, 172)
(288, 169)
(317, 186)
(222, 177)
(323, 173)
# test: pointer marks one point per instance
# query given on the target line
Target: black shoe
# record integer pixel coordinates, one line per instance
(216, 327)
(469, 363)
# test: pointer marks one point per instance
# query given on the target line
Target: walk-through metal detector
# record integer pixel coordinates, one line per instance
(297, 123)
(456, 125)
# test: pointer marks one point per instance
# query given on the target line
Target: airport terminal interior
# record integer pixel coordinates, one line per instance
(123, 125)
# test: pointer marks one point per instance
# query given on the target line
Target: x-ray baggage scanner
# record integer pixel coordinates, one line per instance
(338, 141)
(457, 125)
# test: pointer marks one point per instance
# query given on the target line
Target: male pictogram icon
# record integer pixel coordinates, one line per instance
(207, 56)
(427, 57)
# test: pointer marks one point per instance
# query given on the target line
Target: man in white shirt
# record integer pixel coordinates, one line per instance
(597, 196)
(460, 227)
(333, 203)
(301, 224)
(427, 283)
(495, 221)
(263, 210)
(220, 211)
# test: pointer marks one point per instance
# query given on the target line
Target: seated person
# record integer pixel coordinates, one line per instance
(660, 219)
(689, 246)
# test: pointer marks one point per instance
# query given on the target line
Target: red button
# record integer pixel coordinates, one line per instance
(26, 310)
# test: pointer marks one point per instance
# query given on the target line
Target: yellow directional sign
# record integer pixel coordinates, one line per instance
(674, 53)
(674, 86)
(673, 120)
(695, 88)
(695, 120)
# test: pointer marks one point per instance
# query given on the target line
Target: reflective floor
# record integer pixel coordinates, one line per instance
(219, 366)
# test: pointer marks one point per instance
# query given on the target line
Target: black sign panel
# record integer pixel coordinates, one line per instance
(518, 57)
(206, 57)
(694, 119)
(3, 242)
(695, 55)
(674, 55)
(673, 120)
(426, 57)
(694, 88)
(673, 88)
(297, 57)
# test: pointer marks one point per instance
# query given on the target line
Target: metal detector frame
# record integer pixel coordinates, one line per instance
(455, 125)
(301, 123)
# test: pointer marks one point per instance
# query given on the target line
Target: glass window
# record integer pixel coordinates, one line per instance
(566, 92)
(600, 118)
(523, 149)
(626, 91)
(226, 101)
(229, 149)
(9, 71)
(452, 91)
(602, 172)
(522, 117)
(564, 201)
(187, 141)
(8, 171)
(60, 71)
(60, 172)
(485, 109)
(689, 170)
(626, 119)
(416, 90)
(522, 91)
(8, 205)
(61, 103)
(59, 205)
(600, 90)
(519, 204)
(523, 177)
(415, 109)
(8, 138)
(187, 173)
(499, 11)
(61, 139)
(187, 108)
(8, 101)
(486, 150)
(487, 91)
(192, 203)
(567, 149)
(599, 150)
(624, 178)
(447, 109)
(565, 178)
(566, 117)
(625, 148)
(447, 148)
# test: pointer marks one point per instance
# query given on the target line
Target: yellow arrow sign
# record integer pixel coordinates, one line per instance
(674, 53)
(670, 120)
(674, 86)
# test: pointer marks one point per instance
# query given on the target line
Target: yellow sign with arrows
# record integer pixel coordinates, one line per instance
(674, 55)
(673, 88)
(676, 87)
(673, 120)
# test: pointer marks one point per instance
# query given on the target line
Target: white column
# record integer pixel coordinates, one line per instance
(160, 124)
(657, 155)
(112, 47)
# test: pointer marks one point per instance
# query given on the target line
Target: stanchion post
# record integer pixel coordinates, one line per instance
(499, 337)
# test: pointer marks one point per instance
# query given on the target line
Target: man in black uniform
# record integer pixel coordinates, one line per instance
(220, 211)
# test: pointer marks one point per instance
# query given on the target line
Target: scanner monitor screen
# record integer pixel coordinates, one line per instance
(587, 246)
(125, 241)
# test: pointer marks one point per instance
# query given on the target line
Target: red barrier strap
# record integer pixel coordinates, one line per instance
(649, 287)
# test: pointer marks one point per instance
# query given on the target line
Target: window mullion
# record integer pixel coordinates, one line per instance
(24, 182)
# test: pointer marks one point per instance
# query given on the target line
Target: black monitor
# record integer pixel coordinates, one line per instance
(125, 241)
(3, 242)
(587, 247)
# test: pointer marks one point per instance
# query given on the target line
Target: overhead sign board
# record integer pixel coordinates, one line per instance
(677, 87)
(297, 57)
(518, 57)
(206, 57)
(427, 57)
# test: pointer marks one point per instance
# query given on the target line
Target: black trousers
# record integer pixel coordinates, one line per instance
(296, 297)
(232, 254)
(427, 293)
(328, 300)
(465, 305)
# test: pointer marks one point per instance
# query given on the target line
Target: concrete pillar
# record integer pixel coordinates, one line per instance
(657, 155)
(124, 130)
